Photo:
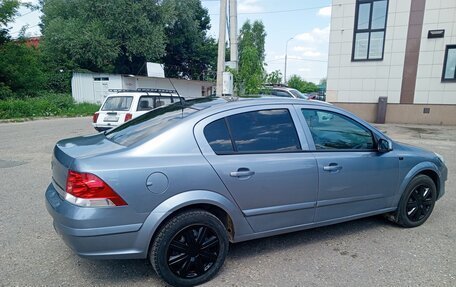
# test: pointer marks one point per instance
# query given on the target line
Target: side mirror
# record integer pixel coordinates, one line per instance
(385, 145)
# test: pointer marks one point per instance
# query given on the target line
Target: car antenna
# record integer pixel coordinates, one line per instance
(181, 100)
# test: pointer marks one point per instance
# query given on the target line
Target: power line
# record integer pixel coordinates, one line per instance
(22, 15)
(18, 31)
(279, 11)
(299, 59)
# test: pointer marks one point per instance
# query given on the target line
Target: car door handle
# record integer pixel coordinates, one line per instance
(242, 172)
(332, 167)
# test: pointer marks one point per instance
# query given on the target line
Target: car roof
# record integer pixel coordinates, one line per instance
(220, 104)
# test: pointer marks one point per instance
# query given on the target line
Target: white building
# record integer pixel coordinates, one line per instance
(401, 49)
(93, 88)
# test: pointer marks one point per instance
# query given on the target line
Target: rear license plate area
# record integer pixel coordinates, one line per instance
(111, 119)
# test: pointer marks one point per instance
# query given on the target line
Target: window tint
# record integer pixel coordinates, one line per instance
(449, 66)
(370, 28)
(264, 131)
(331, 131)
(218, 137)
(120, 103)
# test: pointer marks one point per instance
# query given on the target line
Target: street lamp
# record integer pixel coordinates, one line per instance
(286, 56)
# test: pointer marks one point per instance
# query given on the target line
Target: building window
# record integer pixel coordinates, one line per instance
(449, 65)
(370, 29)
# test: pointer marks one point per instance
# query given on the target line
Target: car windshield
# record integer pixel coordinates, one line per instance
(155, 121)
(117, 103)
(298, 94)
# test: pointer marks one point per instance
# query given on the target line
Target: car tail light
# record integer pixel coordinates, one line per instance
(128, 117)
(86, 189)
(95, 117)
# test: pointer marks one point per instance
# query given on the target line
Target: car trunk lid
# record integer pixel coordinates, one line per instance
(68, 150)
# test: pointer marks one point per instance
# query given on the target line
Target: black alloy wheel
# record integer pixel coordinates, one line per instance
(193, 251)
(190, 248)
(417, 202)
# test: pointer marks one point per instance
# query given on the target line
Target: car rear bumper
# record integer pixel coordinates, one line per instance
(99, 233)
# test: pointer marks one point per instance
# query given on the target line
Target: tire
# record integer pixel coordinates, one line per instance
(417, 202)
(189, 249)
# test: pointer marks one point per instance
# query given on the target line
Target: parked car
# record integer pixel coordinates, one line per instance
(178, 183)
(319, 96)
(283, 91)
(124, 105)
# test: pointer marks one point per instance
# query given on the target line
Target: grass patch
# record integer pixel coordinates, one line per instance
(46, 105)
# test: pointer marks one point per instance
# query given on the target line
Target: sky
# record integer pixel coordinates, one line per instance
(306, 21)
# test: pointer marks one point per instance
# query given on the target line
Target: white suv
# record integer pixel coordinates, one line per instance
(124, 105)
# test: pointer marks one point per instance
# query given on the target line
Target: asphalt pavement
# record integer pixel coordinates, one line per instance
(366, 252)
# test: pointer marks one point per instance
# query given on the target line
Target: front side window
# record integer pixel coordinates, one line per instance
(370, 28)
(253, 132)
(449, 66)
(331, 131)
(117, 103)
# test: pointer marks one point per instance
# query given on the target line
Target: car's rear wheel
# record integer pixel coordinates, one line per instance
(190, 248)
(417, 202)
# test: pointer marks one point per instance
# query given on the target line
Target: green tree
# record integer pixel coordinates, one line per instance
(104, 36)
(8, 10)
(275, 77)
(301, 85)
(251, 75)
(190, 52)
(20, 69)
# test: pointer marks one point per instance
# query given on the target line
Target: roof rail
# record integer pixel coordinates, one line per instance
(275, 85)
(151, 90)
(143, 90)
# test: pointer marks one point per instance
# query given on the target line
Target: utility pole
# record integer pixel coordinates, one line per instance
(221, 48)
(233, 34)
(286, 58)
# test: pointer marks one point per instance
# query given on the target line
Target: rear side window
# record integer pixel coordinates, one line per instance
(147, 103)
(218, 137)
(253, 132)
(117, 103)
(332, 131)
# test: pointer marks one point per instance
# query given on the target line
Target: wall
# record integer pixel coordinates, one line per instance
(93, 88)
(356, 86)
(365, 82)
(405, 113)
(186, 88)
(84, 88)
(439, 14)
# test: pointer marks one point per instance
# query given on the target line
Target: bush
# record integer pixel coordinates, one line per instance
(45, 105)
(21, 69)
(5, 92)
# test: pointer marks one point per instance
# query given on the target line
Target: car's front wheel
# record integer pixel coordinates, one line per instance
(190, 248)
(417, 202)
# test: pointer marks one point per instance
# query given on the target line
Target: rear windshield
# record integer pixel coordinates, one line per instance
(117, 103)
(155, 121)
